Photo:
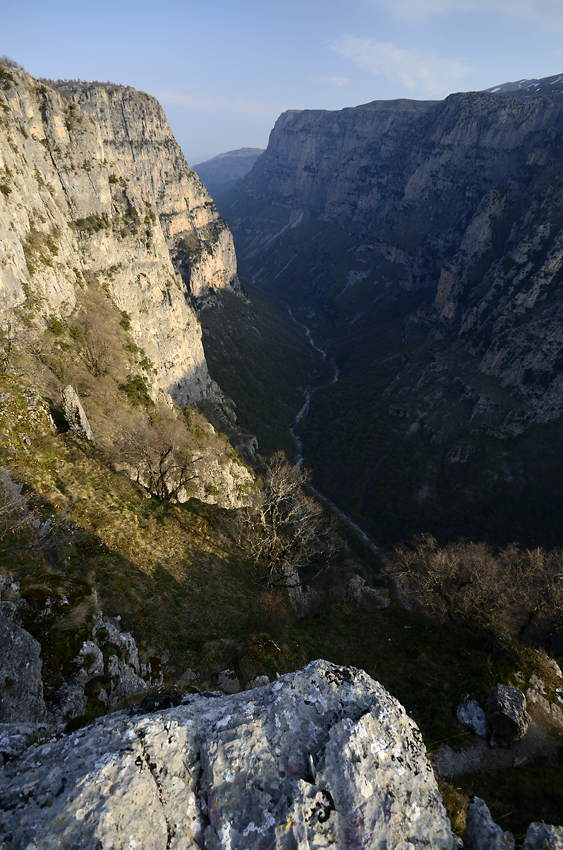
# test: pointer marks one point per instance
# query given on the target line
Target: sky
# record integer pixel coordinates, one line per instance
(224, 70)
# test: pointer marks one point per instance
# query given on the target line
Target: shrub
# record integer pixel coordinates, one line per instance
(513, 591)
(137, 391)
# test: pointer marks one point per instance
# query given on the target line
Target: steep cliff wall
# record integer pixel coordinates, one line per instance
(404, 177)
(137, 138)
(77, 202)
(422, 243)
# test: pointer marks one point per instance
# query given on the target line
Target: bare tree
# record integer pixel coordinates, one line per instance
(96, 352)
(515, 591)
(285, 529)
(158, 450)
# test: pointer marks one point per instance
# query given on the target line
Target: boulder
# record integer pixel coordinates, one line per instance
(74, 414)
(541, 836)
(228, 682)
(507, 716)
(548, 711)
(324, 757)
(21, 685)
(481, 832)
(470, 713)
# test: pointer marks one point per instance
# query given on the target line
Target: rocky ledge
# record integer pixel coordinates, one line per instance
(321, 758)
(324, 757)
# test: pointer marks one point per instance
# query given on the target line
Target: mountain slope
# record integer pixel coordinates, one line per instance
(422, 244)
(220, 173)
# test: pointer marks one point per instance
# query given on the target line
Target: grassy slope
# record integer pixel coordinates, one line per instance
(177, 575)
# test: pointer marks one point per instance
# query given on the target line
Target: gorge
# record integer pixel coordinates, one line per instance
(154, 625)
(421, 242)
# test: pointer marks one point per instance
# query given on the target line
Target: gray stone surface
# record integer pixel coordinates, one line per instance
(21, 686)
(481, 832)
(324, 757)
(541, 836)
(16, 738)
(228, 682)
(549, 711)
(74, 414)
(470, 713)
(507, 716)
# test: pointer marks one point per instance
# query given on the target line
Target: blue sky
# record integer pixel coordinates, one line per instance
(225, 69)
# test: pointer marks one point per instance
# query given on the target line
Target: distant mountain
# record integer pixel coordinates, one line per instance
(530, 88)
(222, 172)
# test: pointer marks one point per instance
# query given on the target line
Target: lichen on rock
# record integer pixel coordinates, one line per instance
(324, 757)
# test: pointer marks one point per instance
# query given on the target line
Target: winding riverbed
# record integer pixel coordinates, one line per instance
(328, 503)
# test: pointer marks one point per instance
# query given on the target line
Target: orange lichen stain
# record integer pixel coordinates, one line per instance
(61, 132)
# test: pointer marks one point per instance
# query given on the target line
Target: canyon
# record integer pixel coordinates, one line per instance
(153, 627)
(421, 242)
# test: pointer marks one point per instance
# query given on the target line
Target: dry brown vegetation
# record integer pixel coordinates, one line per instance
(285, 529)
(516, 592)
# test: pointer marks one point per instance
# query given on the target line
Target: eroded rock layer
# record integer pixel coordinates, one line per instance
(93, 184)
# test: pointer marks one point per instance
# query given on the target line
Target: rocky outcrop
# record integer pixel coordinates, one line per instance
(105, 670)
(74, 414)
(507, 715)
(107, 197)
(320, 758)
(21, 685)
(482, 833)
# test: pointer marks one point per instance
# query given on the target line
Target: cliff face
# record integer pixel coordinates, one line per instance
(422, 243)
(103, 192)
(404, 179)
(137, 137)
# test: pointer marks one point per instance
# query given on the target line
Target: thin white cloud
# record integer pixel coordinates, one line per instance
(545, 14)
(416, 71)
(338, 82)
(213, 103)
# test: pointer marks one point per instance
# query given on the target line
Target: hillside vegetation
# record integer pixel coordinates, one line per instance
(203, 542)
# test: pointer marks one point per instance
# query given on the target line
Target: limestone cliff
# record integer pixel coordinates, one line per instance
(137, 138)
(100, 190)
(324, 757)
(421, 243)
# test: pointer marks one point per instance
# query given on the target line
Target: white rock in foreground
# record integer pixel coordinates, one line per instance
(321, 758)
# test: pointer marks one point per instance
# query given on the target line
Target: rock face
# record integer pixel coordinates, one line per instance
(21, 685)
(320, 758)
(447, 196)
(74, 414)
(105, 670)
(138, 141)
(94, 185)
(421, 243)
